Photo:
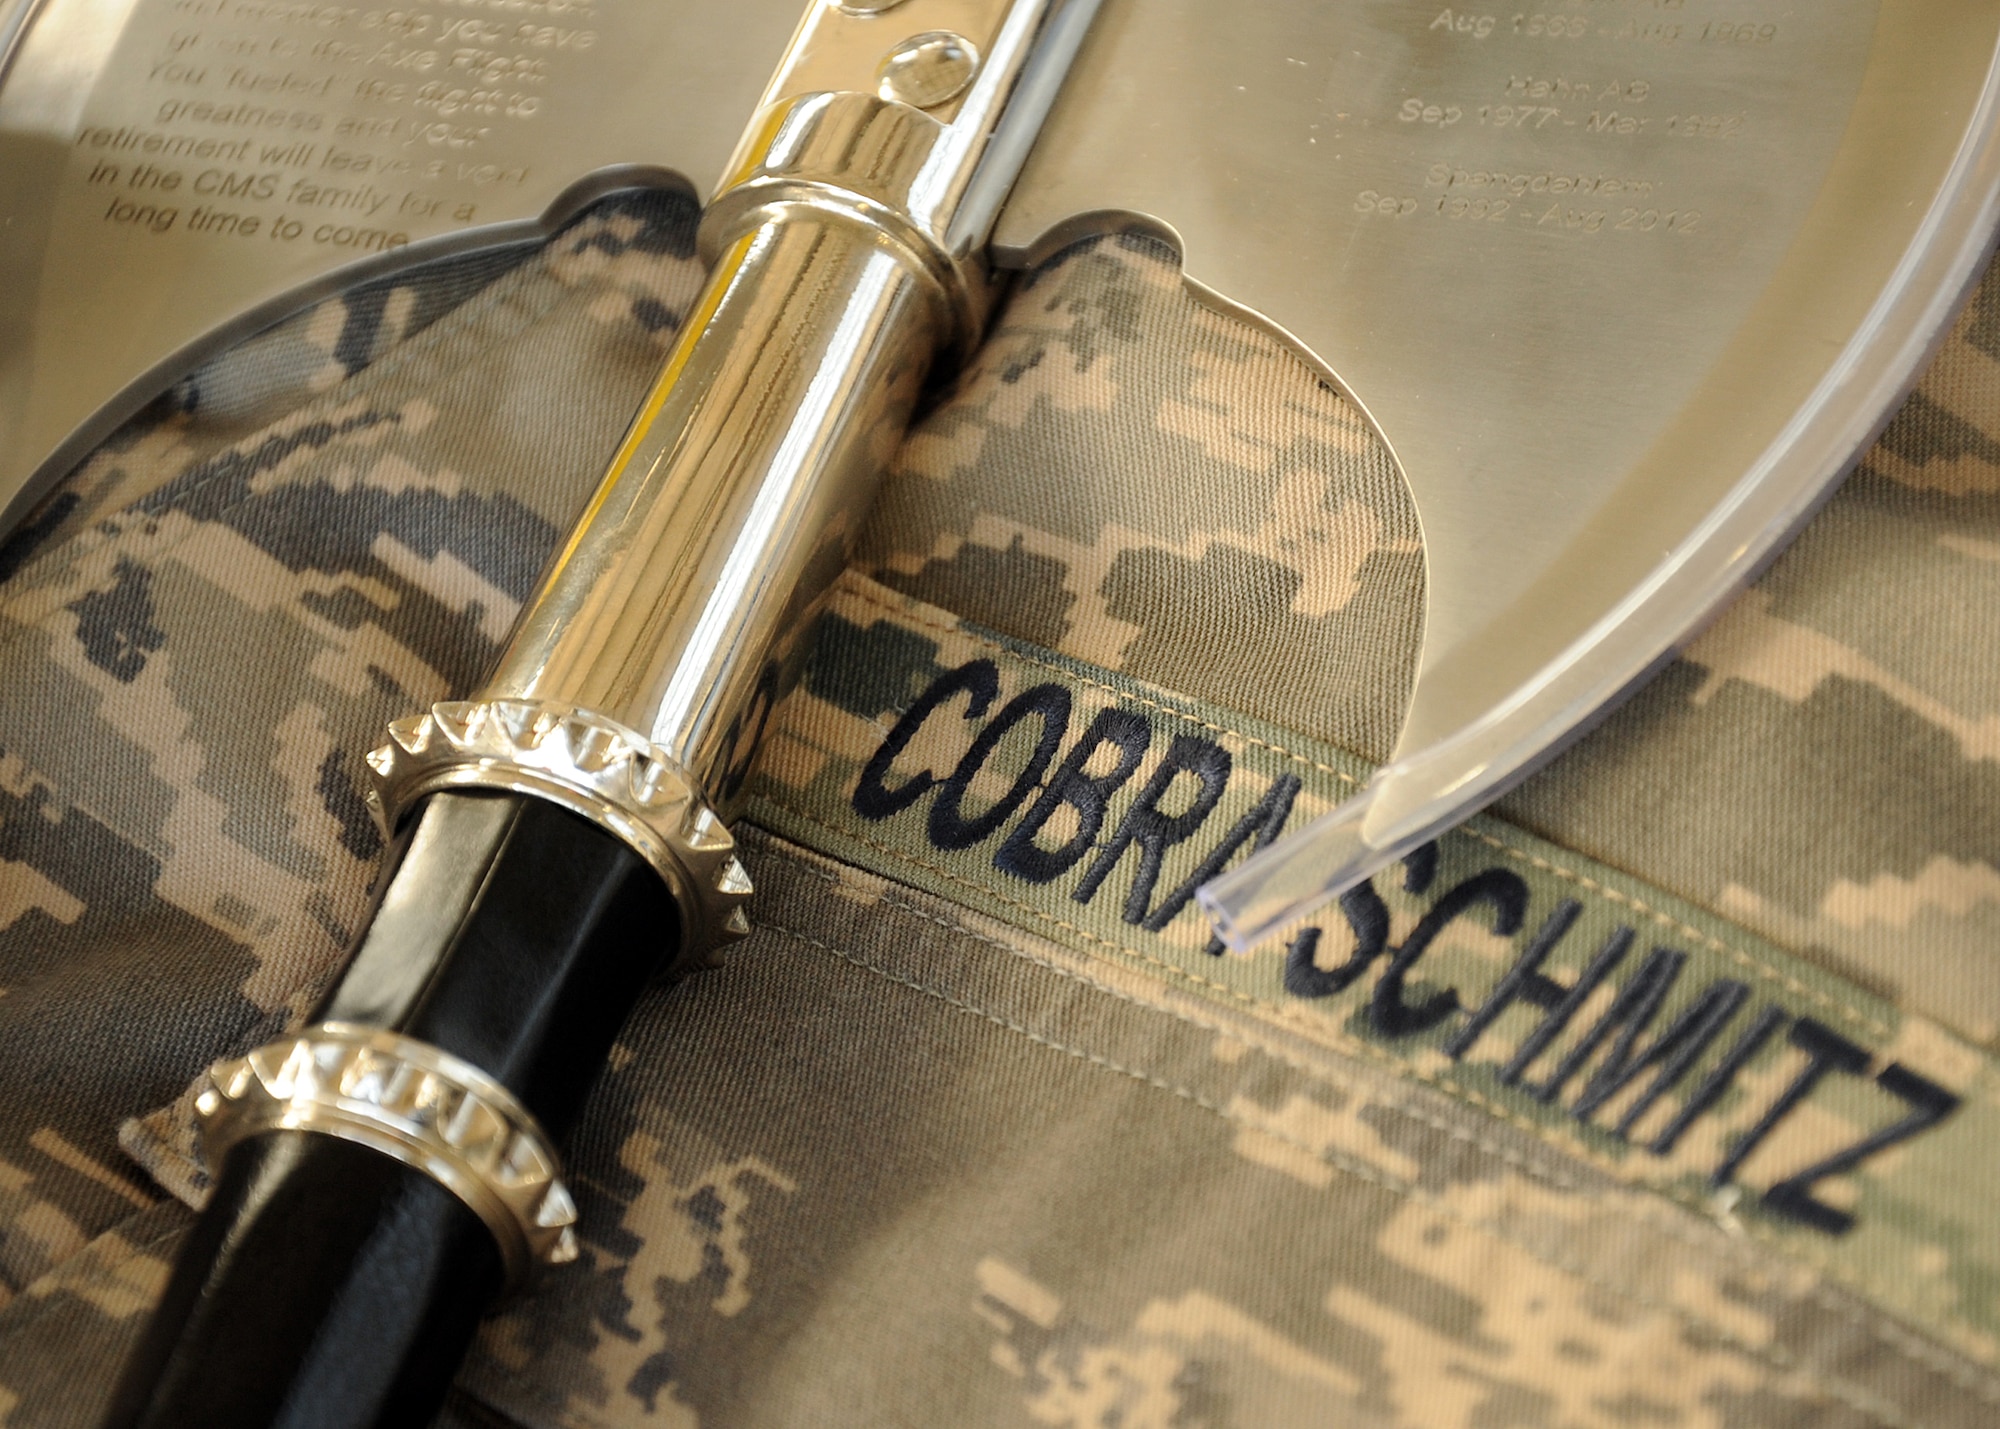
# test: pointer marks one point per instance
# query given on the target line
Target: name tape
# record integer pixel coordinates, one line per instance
(1670, 1046)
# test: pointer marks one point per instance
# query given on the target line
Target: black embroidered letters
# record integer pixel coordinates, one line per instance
(1612, 1036)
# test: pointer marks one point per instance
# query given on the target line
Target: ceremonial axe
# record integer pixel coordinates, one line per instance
(1624, 286)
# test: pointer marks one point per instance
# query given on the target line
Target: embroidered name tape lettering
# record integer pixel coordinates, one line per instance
(1671, 1048)
(1630, 1053)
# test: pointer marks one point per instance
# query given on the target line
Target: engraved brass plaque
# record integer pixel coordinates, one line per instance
(1624, 284)
(177, 173)
(1524, 241)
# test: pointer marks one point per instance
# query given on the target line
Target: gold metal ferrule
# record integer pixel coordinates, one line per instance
(591, 766)
(848, 251)
(409, 1100)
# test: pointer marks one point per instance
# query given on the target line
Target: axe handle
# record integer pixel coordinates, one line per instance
(329, 1285)
(569, 819)
(335, 1284)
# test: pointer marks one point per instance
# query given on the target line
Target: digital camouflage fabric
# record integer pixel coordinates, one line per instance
(1662, 1096)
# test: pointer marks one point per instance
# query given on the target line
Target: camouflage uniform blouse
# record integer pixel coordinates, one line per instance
(1662, 1096)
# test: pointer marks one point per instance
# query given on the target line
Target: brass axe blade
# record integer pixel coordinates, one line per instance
(1624, 286)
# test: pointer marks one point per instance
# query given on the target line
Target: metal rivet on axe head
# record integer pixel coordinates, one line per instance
(868, 7)
(927, 70)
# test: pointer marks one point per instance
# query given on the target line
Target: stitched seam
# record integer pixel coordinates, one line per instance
(172, 1156)
(1171, 968)
(1893, 1336)
(1366, 1049)
(1667, 920)
(1744, 959)
(1299, 1064)
(1507, 1155)
(1771, 1355)
(1817, 1260)
(1360, 1048)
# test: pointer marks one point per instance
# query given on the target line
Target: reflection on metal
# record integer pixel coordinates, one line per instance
(927, 70)
(671, 616)
(405, 1099)
(602, 771)
(14, 16)
(174, 177)
(1624, 285)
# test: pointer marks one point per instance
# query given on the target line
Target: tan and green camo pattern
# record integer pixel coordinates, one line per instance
(1925, 1203)
(941, 1148)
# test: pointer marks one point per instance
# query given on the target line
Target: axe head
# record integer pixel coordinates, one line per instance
(1624, 287)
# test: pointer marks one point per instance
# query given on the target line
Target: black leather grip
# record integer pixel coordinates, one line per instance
(325, 1285)
(329, 1286)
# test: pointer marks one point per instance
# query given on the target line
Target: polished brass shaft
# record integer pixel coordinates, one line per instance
(728, 506)
(847, 250)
